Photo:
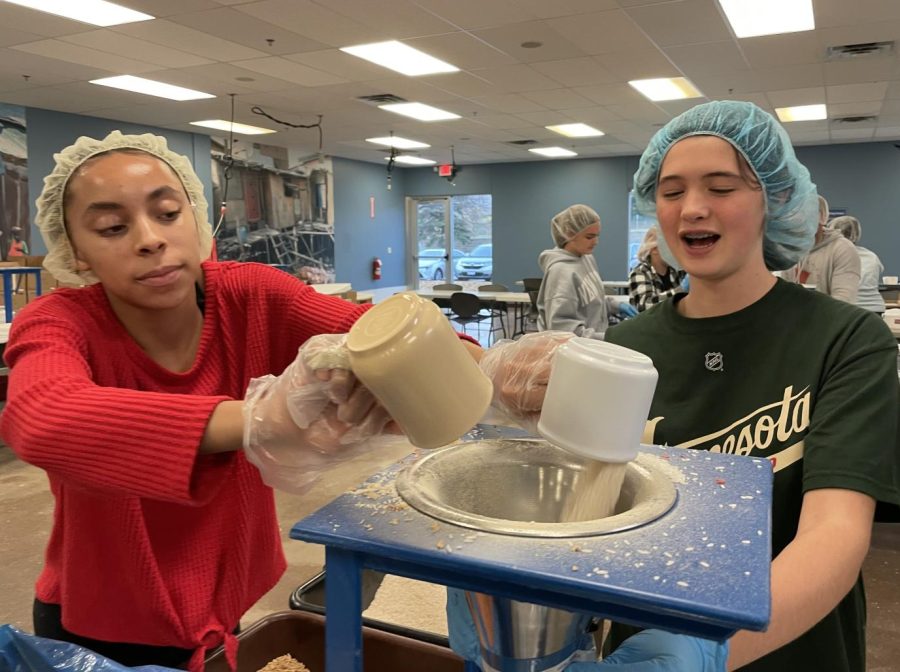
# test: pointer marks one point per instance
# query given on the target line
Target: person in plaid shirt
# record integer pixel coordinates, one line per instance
(652, 279)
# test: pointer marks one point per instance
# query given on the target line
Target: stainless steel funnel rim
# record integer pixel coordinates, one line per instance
(657, 494)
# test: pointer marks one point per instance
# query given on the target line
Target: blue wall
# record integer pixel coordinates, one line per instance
(864, 179)
(527, 195)
(358, 238)
(49, 132)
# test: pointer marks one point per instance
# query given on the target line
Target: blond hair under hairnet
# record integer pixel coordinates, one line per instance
(650, 243)
(572, 221)
(50, 219)
(849, 226)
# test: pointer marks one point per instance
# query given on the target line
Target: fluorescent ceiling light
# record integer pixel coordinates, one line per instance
(575, 130)
(151, 88)
(419, 111)
(400, 57)
(768, 17)
(802, 113)
(96, 12)
(411, 160)
(222, 125)
(398, 142)
(668, 88)
(553, 151)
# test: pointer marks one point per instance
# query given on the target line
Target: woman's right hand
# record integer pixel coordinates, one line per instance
(309, 417)
(519, 371)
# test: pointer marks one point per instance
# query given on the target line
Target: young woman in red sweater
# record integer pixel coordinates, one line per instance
(130, 393)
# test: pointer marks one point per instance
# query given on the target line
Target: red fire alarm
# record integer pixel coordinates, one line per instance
(445, 170)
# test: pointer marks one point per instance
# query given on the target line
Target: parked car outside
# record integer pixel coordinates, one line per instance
(479, 263)
(431, 263)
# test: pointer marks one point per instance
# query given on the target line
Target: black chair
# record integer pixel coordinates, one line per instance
(531, 318)
(444, 304)
(499, 309)
(532, 284)
(465, 309)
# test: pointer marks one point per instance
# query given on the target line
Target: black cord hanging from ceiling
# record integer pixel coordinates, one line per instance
(256, 109)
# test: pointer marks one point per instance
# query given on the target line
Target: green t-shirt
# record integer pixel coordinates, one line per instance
(799, 378)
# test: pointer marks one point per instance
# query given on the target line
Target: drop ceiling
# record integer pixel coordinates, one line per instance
(283, 56)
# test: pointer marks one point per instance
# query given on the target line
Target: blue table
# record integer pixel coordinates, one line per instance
(701, 569)
(8, 274)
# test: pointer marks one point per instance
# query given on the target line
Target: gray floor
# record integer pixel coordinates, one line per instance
(26, 510)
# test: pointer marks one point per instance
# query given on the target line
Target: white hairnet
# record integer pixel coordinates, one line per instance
(650, 243)
(791, 205)
(572, 221)
(849, 226)
(50, 218)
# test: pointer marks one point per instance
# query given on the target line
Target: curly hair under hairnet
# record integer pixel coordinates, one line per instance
(50, 218)
(790, 195)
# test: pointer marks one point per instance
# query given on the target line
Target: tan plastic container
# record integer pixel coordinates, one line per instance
(405, 351)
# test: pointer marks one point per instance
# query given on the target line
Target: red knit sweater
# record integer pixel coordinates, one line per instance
(153, 543)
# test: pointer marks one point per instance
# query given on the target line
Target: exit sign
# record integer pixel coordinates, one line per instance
(445, 170)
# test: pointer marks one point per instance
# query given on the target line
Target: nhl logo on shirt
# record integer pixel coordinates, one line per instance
(714, 361)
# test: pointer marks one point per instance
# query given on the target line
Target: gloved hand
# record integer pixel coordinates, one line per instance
(686, 283)
(626, 310)
(461, 627)
(520, 371)
(310, 417)
(661, 651)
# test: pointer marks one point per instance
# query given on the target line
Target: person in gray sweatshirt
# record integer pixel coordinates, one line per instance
(871, 267)
(832, 265)
(571, 297)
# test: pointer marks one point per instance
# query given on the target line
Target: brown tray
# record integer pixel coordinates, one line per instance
(302, 635)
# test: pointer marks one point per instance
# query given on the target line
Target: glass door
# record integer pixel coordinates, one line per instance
(430, 241)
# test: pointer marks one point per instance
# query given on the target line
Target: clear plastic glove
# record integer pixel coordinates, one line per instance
(520, 371)
(661, 651)
(686, 283)
(626, 310)
(315, 414)
(461, 627)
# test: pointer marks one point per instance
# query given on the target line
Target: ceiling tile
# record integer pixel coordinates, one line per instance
(806, 127)
(602, 32)
(888, 132)
(396, 19)
(462, 50)
(790, 77)
(576, 71)
(848, 93)
(117, 43)
(474, 14)
(675, 23)
(15, 17)
(855, 109)
(854, 72)
(42, 71)
(502, 121)
(313, 21)
(648, 64)
(242, 28)
(510, 38)
(839, 12)
(814, 95)
(893, 90)
(852, 134)
(610, 94)
(175, 36)
(711, 58)
(878, 30)
(595, 116)
(463, 84)
(517, 78)
(508, 103)
(643, 111)
(548, 10)
(775, 50)
(545, 118)
(558, 99)
(889, 107)
(338, 63)
(73, 53)
(282, 68)
(168, 7)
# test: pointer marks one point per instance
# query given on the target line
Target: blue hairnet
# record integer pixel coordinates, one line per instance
(791, 199)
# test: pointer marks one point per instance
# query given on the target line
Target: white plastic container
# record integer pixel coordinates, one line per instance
(597, 401)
